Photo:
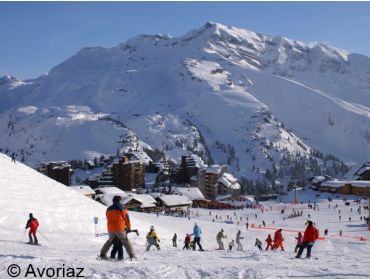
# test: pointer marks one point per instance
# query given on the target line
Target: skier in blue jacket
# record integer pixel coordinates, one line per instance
(197, 233)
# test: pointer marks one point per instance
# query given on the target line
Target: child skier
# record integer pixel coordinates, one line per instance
(269, 243)
(187, 242)
(258, 244)
(299, 242)
(152, 239)
(117, 248)
(231, 245)
(33, 224)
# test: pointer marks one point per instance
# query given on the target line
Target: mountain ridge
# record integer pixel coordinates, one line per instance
(223, 80)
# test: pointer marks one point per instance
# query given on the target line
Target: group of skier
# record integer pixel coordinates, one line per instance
(118, 224)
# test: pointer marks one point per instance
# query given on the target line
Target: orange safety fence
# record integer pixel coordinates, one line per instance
(285, 230)
(361, 238)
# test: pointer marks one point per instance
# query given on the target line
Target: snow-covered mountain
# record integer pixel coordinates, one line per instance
(246, 98)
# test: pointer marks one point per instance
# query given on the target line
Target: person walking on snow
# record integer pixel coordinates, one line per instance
(33, 224)
(187, 242)
(299, 242)
(269, 243)
(220, 235)
(197, 232)
(309, 237)
(152, 239)
(174, 240)
(238, 241)
(278, 240)
(118, 223)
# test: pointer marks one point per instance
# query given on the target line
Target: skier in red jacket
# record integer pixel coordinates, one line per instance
(33, 224)
(269, 242)
(278, 240)
(309, 237)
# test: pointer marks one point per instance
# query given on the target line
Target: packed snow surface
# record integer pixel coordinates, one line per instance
(68, 237)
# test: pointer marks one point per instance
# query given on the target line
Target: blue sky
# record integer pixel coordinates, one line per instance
(36, 36)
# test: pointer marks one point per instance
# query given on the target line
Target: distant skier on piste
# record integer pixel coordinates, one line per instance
(258, 244)
(311, 234)
(220, 235)
(118, 223)
(32, 224)
(197, 232)
(152, 239)
(269, 243)
(174, 240)
(238, 241)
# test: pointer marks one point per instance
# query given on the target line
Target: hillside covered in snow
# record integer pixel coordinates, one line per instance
(228, 95)
(68, 240)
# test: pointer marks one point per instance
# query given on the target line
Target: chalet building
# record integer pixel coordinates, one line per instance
(105, 179)
(128, 174)
(172, 202)
(212, 174)
(227, 184)
(360, 188)
(152, 167)
(134, 202)
(317, 180)
(186, 170)
(199, 180)
(194, 194)
(363, 173)
(58, 170)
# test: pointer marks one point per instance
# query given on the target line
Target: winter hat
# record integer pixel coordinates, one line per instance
(116, 199)
(151, 227)
(31, 215)
(310, 223)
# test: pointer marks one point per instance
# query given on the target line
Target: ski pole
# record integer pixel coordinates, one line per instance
(43, 236)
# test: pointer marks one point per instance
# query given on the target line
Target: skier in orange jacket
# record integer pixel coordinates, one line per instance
(278, 240)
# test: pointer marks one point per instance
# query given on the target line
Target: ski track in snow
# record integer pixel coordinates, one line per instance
(66, 221)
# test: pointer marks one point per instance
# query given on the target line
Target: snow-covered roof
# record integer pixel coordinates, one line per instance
(223, 197)
(83, 189)
(192, 193)
(215, 169)
(363, 168)
(106, 199)
(110, 190)
(229, 181)
(155, 194)
(318, 179)
(339, 183)
(146, 200)
(174, 200)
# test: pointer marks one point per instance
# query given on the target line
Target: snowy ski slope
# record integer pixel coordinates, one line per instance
(66, 220)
